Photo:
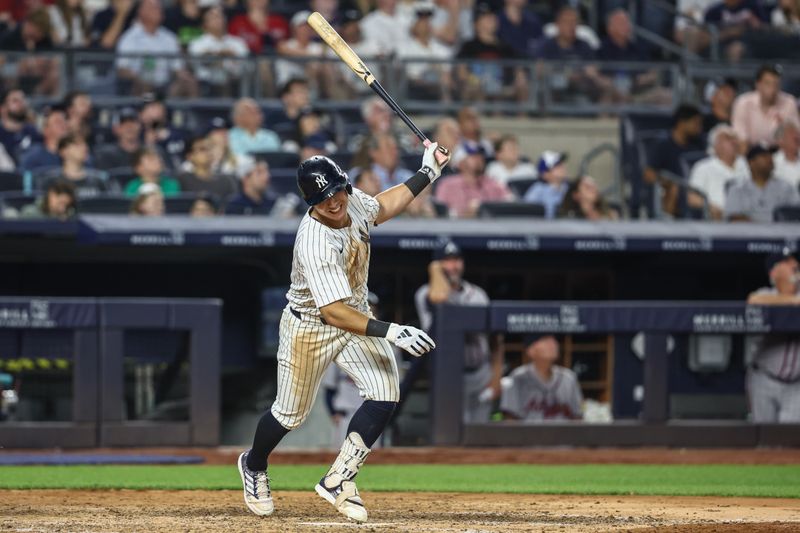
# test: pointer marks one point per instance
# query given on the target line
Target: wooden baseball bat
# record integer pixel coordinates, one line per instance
(351, 59)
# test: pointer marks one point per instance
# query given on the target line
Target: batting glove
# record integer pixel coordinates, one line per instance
(430, 166)
(413, 340)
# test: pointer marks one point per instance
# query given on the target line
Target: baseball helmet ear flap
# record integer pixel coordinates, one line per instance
(319, 178)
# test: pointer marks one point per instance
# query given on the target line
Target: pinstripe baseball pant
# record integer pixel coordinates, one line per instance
(305, 350)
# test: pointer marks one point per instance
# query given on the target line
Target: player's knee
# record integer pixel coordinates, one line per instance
(289, 419)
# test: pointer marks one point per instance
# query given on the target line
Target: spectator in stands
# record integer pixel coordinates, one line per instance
(219, 75)
(689, 30)
(448, 134)
(757, 114)
(111, 22)
(157, 132)
(247, 136)
(45, 154)
(149, 201)
(301, 44)
(310, 126)
(773, 377)
(566, 46)
(483, 356)
(471, 132)
(366, 181)
(422, 206)
(17, 134)
(198, 174)
(205, 205)
(147, 37)
(385, 27)
(294, 95)
(36, 74)
(68, 23)
(720, 97)
(787, 159)
(74, 154)
(224, 160)
(734, 19)
(342, 84)
(665, 156)
(126, 129)
(463, 193)
(540, 389)
(520, 28)
(755, 199)
(58, 202)
(314, 145)
(723, 167)
(483, 79)
(30, 35)
(785, 17)
(78, 105)
(259, 28)
(427, 81)
(255, 197)
(508, 165)
(185, 20)
(378, 116)
(150, 169)
(550, 190)
(452, 21)
(583, 201)
(385, 157)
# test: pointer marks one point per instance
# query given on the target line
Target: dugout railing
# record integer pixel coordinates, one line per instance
(92, 334)
(656, 320)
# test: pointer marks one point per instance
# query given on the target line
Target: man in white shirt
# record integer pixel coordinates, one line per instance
(427, 80)
(787, 159)
(302, 44)
(386, 27)
(218, 71)
(147, 38)
(723, 165)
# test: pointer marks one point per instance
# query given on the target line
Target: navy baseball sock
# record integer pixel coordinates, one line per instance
(370, 419)
(268, 434)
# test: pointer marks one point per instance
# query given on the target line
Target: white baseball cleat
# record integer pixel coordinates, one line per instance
(343, 495)
(257, 495)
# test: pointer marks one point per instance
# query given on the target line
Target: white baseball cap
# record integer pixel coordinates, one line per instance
(300, 18)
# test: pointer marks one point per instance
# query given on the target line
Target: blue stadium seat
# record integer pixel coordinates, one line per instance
(519, 186)
(180, 204)
(11, 181)
(16, 200)
(510, 209)
(106, 204)
(283, 180)
(278, 159)
(787, 213)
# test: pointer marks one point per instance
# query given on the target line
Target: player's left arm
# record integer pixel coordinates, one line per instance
(395, 200)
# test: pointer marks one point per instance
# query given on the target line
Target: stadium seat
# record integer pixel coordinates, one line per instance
(278, 159)
(519, 186)
(510, 209)
(11, 181)
(121, 176)
(689, 159)
(442, 211)
(180, 204)
(786, 213)
(107, 205)
(283, 180)
(343, 158)
(16, 200)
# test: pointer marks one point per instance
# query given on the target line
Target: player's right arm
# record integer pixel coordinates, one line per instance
(342, 316)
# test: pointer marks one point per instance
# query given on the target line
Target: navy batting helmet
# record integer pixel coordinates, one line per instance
(319, 178)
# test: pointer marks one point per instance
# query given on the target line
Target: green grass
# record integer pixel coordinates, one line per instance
(686, 480)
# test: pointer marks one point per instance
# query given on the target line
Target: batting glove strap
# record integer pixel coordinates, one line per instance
(411, 339)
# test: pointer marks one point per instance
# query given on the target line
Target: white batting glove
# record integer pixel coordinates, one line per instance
(413, 340)
(430, 166)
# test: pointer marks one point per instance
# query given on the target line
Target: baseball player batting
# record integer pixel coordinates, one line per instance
(327, 320)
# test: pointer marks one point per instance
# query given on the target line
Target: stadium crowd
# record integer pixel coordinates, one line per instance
(735, 157)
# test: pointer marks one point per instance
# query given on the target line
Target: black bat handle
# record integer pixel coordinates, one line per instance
(378, 88)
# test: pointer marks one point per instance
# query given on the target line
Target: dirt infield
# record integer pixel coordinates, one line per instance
(168, 511)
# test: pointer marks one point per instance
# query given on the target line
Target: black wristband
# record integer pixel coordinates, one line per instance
(417, 183)
(377, 328)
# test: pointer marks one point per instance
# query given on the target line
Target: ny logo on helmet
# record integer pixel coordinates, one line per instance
(321, 180)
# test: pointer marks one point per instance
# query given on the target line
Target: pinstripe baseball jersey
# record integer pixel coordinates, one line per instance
(778, 355)
(333, 264)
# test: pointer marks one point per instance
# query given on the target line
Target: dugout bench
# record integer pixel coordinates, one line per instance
(94, 330)
(657, 320)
